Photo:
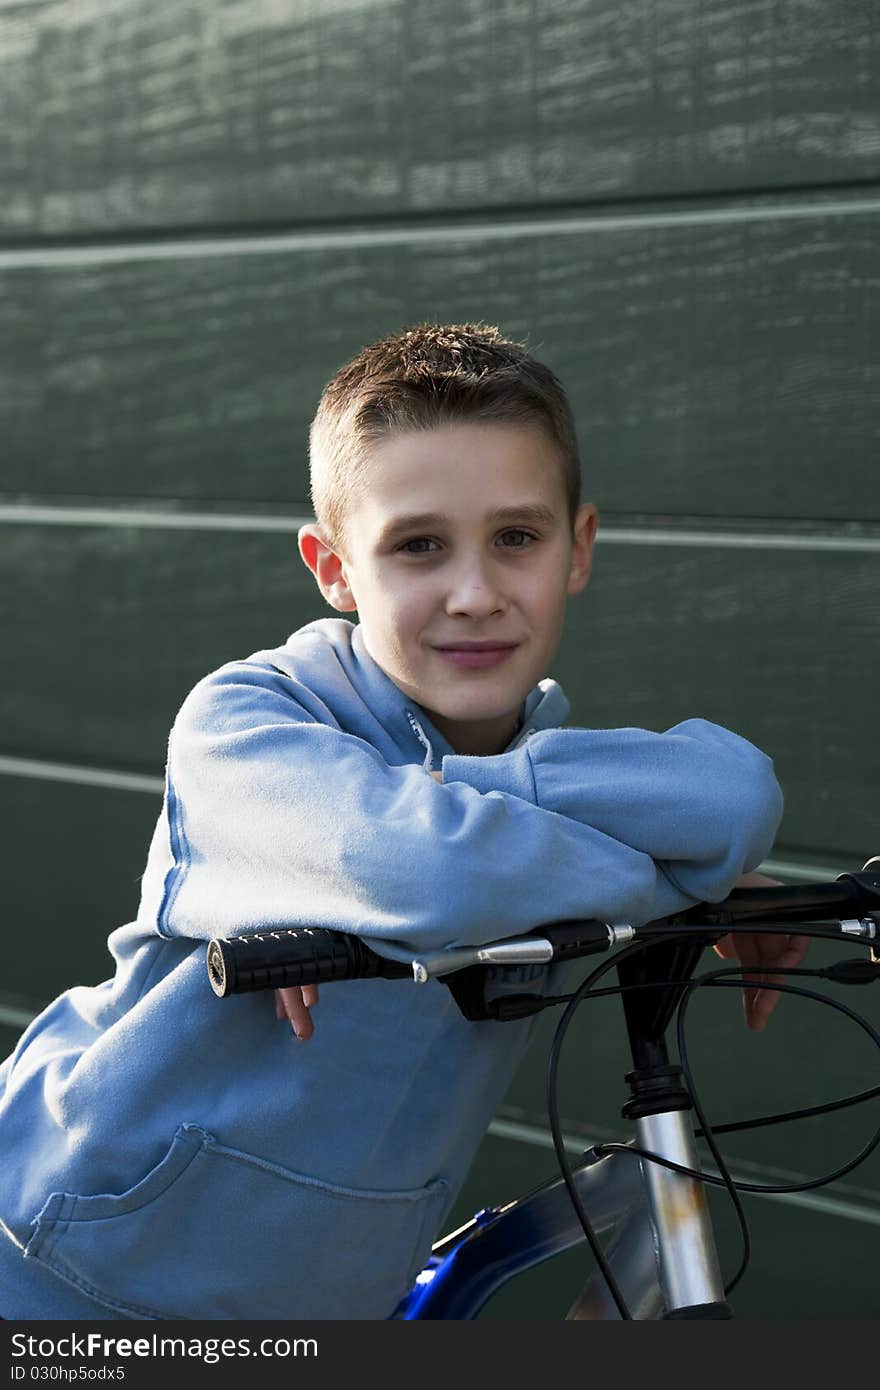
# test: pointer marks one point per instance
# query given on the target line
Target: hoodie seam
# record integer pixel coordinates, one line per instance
(664, 867)
(180, 853)
(531, 768)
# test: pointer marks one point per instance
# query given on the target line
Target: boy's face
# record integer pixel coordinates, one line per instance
(460, 539)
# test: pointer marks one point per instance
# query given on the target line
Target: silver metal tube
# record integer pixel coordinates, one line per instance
(632, 1256)
(534, 951)
(689, 1270)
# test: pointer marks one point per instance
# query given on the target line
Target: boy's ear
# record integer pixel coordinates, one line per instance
(327, 566)
(585, 524)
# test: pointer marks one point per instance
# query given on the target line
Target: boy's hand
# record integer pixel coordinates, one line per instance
(294, 1003)
(765, 952)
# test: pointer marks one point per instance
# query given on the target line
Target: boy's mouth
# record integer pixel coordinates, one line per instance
(477, 654)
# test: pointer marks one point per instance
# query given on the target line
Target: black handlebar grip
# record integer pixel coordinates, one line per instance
(278, 958)
(848, 895)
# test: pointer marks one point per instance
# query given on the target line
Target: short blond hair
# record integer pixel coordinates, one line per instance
(429, 375)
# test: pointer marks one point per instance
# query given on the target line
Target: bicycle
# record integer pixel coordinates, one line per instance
(645, 1196)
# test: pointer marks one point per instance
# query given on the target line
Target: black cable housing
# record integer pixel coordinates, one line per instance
(722, 977)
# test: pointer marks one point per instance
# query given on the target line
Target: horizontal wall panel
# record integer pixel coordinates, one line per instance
(117, 625)
(111, 628)
(119, 115)
(717, 366)
(9, 1035)
(74, 857)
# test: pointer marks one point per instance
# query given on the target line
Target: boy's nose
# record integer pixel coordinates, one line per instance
(474, 591)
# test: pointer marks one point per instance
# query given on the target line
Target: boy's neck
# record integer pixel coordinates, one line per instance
(483, 738)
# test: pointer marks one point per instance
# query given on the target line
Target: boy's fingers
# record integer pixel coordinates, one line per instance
(725, 948)
(798, 946)
(764, 1001)
(760, 1003)
(758, 954)
(295, 1008)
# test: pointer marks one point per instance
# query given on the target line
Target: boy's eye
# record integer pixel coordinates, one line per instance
(417, 546)
(512, 539)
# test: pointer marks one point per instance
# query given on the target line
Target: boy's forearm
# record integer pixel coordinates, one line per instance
(701, 801)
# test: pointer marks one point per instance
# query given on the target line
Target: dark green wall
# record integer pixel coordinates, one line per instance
(206, 209)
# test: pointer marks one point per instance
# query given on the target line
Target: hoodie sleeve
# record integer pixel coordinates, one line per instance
(277, 817)
(701, 801)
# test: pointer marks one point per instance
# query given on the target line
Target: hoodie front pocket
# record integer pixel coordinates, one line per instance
(212, 1232)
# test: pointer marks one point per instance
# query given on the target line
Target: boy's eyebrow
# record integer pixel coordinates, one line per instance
(535, 512)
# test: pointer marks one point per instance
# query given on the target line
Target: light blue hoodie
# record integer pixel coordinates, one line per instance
(167, 1154)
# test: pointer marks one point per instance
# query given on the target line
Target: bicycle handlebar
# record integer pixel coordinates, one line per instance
(847, 894)
(285, 956)
(316, 955)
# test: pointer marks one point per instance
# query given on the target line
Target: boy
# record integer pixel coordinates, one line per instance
(168, 1155)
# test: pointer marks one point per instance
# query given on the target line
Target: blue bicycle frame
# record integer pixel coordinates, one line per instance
(467, 1267)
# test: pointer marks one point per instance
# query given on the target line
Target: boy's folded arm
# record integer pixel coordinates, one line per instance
(278, 817)
(701, 801)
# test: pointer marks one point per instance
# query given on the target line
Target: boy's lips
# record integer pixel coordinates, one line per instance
(473, 646)
(477, 654)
